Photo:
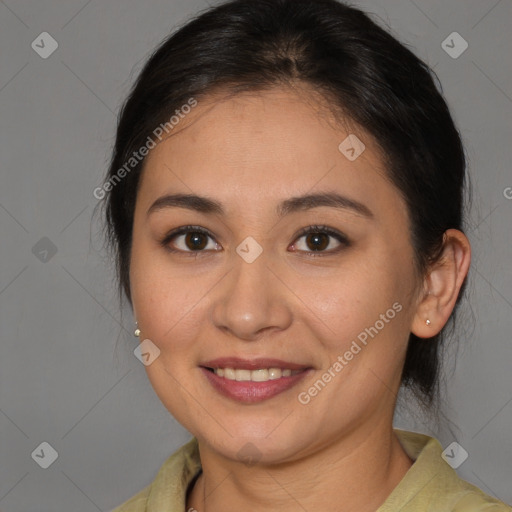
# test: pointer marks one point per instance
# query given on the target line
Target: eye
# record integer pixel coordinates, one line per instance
(317, 240)
(194, 239)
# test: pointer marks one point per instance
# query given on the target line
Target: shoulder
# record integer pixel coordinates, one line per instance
(432, 485)
(168, 489)
(472, 499)
(466, 497)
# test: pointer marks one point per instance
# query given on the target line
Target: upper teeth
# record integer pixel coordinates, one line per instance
(260, 375)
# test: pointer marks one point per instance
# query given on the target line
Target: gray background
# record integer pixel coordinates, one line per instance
(62, 379)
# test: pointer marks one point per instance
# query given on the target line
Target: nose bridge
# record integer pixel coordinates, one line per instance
(250, 300)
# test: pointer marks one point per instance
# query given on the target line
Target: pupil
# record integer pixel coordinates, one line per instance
(193, 237)
(318, 243)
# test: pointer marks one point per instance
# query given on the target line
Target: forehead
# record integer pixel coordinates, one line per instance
(264, 146)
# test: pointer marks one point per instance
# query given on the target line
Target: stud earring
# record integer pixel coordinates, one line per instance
(427, 321)
(137, 330)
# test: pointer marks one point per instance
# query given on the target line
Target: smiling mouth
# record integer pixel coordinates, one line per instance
(250, 386)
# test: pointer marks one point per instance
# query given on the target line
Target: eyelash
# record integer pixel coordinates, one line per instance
(305, 231)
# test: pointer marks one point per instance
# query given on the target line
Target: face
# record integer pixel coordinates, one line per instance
(326, 285)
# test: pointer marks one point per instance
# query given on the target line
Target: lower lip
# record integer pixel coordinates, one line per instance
(252, 392)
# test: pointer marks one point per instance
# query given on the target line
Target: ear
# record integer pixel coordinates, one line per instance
(442, 285)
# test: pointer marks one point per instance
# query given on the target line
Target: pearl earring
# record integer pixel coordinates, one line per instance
(137, 330)
(427, 321)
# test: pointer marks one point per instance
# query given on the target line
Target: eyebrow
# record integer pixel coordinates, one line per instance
(207, 205)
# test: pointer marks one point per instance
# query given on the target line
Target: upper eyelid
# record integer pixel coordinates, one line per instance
(316, 228)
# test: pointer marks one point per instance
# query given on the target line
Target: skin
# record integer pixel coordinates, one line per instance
(250, 152)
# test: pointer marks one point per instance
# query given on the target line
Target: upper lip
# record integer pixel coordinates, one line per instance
(252, 364)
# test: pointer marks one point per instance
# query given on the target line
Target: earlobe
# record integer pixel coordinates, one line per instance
(442, 285)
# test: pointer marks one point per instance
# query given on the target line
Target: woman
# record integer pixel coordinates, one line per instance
(285, 204)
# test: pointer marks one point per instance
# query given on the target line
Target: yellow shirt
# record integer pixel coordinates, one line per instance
(430, 485)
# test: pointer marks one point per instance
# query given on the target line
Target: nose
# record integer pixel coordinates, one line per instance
(252, 300)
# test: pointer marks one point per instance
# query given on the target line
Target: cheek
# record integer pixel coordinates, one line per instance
(355, 295)
(354, 310)
(169, 302)
(363, 314)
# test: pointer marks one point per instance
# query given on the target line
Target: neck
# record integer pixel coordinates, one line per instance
(356, 472)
